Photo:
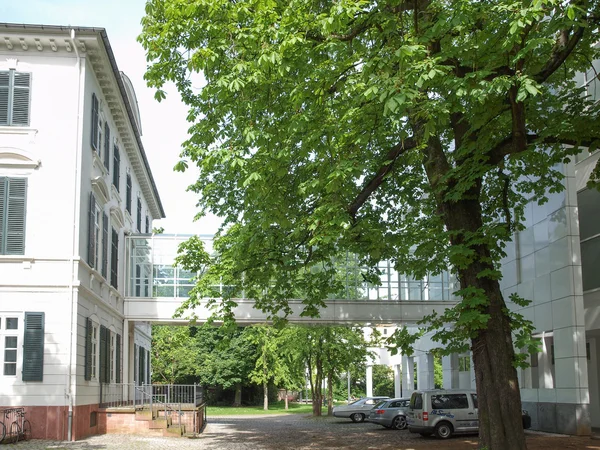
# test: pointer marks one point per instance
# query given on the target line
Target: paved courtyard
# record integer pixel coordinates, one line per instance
(296, 432)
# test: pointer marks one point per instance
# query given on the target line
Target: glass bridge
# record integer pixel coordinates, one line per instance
(156, 287)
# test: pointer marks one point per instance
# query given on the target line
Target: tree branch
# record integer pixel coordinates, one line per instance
(562, 49)
(505, 147)
(379, 177)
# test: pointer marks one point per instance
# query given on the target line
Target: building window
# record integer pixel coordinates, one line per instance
(128, 194)
(112, 356)
(116, 167)
(93, 419)
(464, 363)
(91, 349)
(106, 146)
(95, 230)
(147, 224)
(94, 355)
(139, 215)
(105, 245)
(10, 341)
(15, 89)
(13, 197)
(114, 260)
(95, 131)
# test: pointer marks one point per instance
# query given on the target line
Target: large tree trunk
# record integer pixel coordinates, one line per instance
(238, 395)
(329, 395)
(499, 398)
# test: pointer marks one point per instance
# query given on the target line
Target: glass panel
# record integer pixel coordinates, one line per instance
(12, 323)
(10, 342)
(590, 264)
(588, 202)
(10, 356)
(10, 369)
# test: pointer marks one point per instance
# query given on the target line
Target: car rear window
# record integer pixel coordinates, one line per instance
(474, 397)
(449, 401)
(416, 401)
(380, 404)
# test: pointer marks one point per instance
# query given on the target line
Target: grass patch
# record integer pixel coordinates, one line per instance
(274, 408)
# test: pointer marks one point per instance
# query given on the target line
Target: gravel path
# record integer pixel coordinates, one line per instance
(294, 431)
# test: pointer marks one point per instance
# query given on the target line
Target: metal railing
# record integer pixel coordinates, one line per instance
(169, 399)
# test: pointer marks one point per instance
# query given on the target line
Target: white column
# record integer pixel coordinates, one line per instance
(408, 382)
(425, 372)
(473, 382)
(397, 380)
(450, 371)
(369, 380)
(125, 344)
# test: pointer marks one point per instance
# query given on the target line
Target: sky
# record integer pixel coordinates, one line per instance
(164, 127)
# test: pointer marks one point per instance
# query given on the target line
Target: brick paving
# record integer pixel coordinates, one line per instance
(274, 432)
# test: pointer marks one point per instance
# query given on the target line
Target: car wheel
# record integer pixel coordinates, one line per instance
(399, 423)
(357, 417)
(443, 430)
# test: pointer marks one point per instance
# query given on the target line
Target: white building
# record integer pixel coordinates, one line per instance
(74, 180)
(555, 263)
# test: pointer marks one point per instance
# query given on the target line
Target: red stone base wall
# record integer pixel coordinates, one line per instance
(51, 422)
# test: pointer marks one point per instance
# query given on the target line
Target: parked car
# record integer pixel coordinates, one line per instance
(390, 413)
(357, 411)
(446, 412)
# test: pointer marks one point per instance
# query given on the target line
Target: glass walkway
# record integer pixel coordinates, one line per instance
(156, 287)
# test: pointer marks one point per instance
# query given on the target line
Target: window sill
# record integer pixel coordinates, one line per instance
(6, 129)
(16, 258)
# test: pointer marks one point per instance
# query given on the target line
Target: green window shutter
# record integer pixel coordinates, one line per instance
(142, 364)
(94, 134)
(20, 98)
(148, 366)
(105, 246)
(138, 220)
(33, 347)
(4, 97)
(116, 167)
(3, 203)
(106, 146)
(88, 349)
(118, 360)
(103, 339)
(91, 232)
(13, 198)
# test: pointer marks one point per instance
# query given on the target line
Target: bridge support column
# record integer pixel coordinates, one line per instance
(125, 375)
(425, 374)
(450, 371)
(370, 380)
(397, 380)
(408, 376)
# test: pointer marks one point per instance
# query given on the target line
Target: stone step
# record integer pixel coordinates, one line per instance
(175, 430)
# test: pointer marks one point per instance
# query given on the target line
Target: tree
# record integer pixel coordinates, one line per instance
(269, 365)
(414, 131)
(383, 380)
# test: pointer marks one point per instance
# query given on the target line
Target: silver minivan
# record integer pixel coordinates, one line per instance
(443, 412)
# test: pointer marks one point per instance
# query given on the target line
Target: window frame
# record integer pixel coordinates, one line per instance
(7, 203)
(94, 355)
(12, 74)
(10, 333)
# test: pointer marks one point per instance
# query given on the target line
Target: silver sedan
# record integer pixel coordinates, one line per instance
(390, 413)
(358, 410)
